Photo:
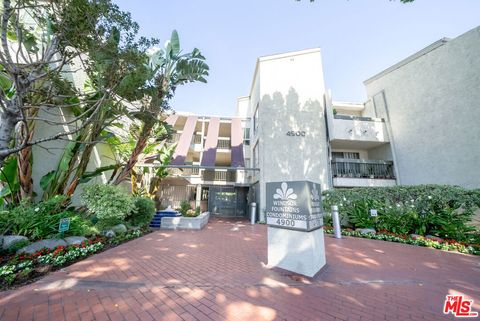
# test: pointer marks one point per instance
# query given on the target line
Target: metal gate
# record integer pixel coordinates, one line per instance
(171, 195)
(226, 201)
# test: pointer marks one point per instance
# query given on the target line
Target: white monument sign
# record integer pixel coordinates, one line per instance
(295, 220)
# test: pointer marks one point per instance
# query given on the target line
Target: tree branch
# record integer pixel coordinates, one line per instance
(7, 152)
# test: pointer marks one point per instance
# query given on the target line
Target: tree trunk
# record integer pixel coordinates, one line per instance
(8, 121)
(24, 159)
(139, 147)
(25, 171)
(81, 168)
(93, 133)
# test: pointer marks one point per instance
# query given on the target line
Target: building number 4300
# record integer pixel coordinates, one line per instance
(299, 133)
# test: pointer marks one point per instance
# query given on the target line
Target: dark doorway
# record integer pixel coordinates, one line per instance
(227, 201)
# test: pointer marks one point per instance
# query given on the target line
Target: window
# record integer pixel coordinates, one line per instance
(256, 159)
(246, 131)
(255, 120)
(345, 167)
(348, 155)
(204, 196)
(246, 136)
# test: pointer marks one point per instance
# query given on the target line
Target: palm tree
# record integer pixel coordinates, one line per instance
(170, 68)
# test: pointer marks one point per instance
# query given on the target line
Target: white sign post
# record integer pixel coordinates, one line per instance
(295, 226)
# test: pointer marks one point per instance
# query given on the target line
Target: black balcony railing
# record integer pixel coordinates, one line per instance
(352, 117)
(359, 168)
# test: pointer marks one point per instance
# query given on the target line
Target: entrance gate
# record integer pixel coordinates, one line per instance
(226, 201)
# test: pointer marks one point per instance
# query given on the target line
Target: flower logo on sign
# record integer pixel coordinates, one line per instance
(285, 193)
(315, 195)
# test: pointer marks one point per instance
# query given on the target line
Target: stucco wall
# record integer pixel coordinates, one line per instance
(46, 156)
(291, 91)
(432, 104)
(359, 130)
(383, 152)
(242, 107)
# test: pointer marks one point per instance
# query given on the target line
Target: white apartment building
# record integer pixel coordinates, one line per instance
(419, 125)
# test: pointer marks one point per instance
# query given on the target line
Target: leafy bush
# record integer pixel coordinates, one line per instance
(439, 210)
(360, 213)
(37, 221)
(143, 212)
(109, 204)
(184, 207)
(399, 221)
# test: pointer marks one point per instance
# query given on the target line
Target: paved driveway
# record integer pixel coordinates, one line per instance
(220, 274)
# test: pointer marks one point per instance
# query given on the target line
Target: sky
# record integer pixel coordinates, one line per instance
(358, 38)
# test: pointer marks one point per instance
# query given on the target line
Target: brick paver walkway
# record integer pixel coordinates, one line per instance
(220, 274)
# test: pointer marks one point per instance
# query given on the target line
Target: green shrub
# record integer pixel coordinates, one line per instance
(184, 207)
(143, 212)
(41, 220)
(360, 213)
(450, 223)
(439, 210)
(397, 220)
(109, 204)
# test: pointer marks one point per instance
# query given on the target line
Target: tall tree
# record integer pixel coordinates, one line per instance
(170, 68)
(40, 41)
(42, 45)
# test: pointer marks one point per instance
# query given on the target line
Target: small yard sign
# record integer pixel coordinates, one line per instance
(373, 213)
(64, 225)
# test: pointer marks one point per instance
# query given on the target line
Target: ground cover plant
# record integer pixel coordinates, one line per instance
(445, 245)
(19, 269)
(107, 205)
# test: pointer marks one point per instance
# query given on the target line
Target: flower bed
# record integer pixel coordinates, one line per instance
(447, 245)
(22, 268)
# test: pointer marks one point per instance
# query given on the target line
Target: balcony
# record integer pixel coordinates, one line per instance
(183, 172)
(174, 138)
(223, 144)
(211, 175)
(197, 139)
(197, 175)
(362, 173)
(357, 132)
